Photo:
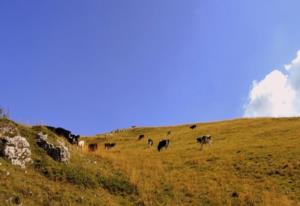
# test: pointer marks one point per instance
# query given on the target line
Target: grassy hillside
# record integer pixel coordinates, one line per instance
(250, 162)
(86, 180)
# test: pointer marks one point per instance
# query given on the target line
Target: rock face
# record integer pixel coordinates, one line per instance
(59, 153)
(16, 149)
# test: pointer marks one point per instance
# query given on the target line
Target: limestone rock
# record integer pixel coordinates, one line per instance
(59, 153)
(16, 149)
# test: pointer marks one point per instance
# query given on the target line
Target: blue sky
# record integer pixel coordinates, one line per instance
(93, 66)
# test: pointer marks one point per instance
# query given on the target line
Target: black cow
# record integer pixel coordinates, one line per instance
(59, 131)
(163, 144)
(108, 146)
(150, 142)
(193, 126)
(206, 139)
(73, 139)
(93, 147)
(141, 137)
(62, 132)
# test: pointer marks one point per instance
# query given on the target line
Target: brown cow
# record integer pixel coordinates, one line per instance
(108, 146)
(93, 147)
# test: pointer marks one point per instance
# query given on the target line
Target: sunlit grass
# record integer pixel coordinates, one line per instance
(250, 162)
(258, 159)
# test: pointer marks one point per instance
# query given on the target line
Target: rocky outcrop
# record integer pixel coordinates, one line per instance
(16, 150)
(59, 153)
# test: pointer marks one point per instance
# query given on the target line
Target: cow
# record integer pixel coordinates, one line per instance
(81, 143)
(108, 146)
(72, 138)
(150, 142)
(193, 126)
(169, 132)
(163, 144)
(93, 147)
(62, 132)
(141, 137)
(206, 139)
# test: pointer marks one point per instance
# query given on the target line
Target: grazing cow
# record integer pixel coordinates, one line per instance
(206, 139)
(193, 126)
(81, 143)
(150, 142)
(73, 139)
(163, 144)
(62, 132)
(93, 147)
(108, 146)
(169, 132)
(141, 137)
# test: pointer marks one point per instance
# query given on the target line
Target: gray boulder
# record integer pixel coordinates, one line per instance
(58, 152)
(16, 149)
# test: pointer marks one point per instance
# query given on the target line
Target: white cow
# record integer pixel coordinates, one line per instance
(81, 143)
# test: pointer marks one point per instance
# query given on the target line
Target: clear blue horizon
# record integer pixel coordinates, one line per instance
(95, 66)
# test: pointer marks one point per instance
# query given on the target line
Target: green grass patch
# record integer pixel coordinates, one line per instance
(117, 185)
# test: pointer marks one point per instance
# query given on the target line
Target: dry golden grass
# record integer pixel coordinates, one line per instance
(258, 159)
(250, 162)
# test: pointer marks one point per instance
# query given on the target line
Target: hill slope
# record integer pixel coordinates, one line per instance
(250, 162)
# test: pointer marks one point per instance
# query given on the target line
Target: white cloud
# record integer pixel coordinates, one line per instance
(278, 94)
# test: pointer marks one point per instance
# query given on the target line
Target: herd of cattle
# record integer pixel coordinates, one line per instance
(163, 144)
